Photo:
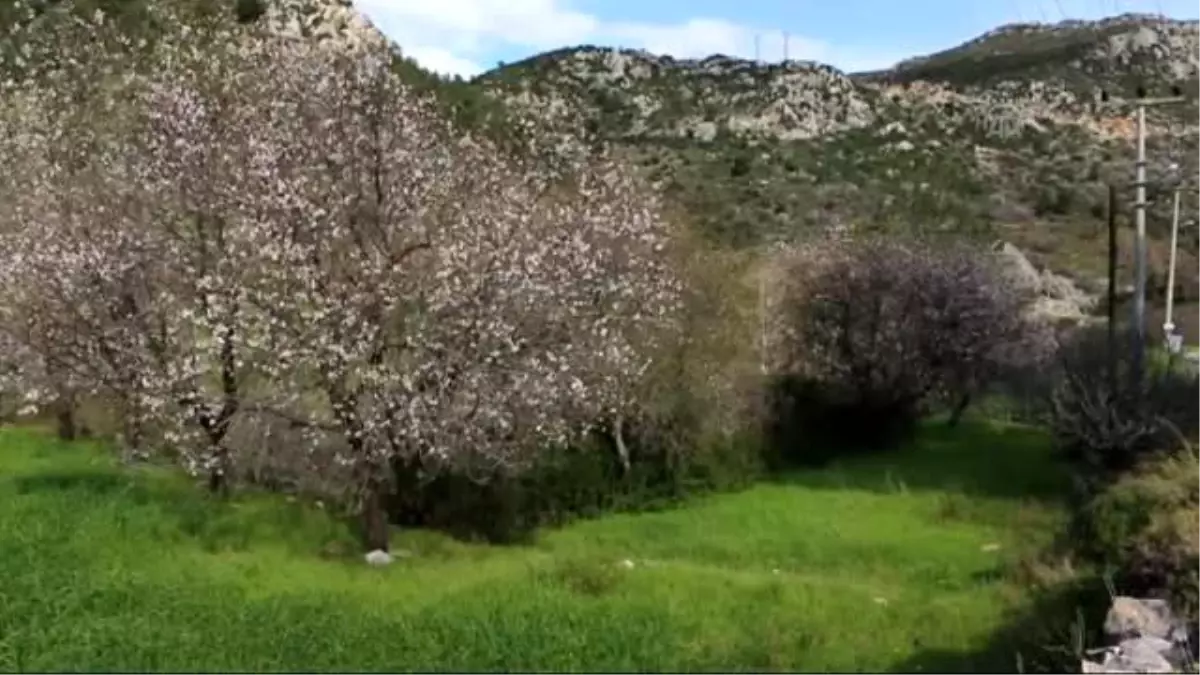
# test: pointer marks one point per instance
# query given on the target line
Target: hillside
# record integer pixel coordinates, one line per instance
(1007, 136)
(37, 22)
(1119, 53)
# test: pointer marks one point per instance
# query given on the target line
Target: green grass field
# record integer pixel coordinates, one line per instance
(898, 563)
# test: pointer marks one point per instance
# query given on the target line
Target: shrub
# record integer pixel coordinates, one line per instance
(581, 481)
(1144, 527)
(873, 332)
(809, 423)
(249, 11)
(1103, 419)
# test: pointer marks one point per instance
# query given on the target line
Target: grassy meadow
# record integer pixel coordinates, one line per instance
(904, 562)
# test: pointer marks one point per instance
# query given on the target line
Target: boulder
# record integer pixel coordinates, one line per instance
(378, 558)
(1132, 656)
(1021, 272)
(1148, 638)
(1142, 617)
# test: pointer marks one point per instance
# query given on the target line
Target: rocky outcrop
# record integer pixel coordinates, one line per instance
(336, 21)
(1152, 47)
(1145, 636)
(663, 97)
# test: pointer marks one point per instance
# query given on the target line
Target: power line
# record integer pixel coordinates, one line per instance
(1042, 12)
(1020, 14)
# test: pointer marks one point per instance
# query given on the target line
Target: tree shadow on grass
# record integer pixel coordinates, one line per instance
(977, 458)
(1046, 636)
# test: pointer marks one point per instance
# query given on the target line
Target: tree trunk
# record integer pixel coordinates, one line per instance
(218, 473)
(959, 409)
(374, 518)
(65, 416)
(619, 440)
(133, 440)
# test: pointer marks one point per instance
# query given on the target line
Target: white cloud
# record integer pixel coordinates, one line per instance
(464, 36)
(443, 61)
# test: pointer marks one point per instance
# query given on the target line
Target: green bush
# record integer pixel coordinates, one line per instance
(581, 481)
(249, 11)
(1144, 528)
(808, 424)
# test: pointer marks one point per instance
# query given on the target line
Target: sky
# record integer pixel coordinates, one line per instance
(467, 37)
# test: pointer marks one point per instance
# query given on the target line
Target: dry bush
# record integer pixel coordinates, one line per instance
(701, 393)
(1104, 420)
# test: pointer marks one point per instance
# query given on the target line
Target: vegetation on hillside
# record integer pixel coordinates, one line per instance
(1012, 52)
(1008, 151)
(144, 23)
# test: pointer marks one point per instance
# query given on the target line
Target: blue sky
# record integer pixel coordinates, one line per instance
(469, 36)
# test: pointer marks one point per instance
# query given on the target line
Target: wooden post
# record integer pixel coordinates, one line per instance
(1112, 286)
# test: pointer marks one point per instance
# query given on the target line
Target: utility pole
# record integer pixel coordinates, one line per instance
(757, 42)
(1168, 325)
(1139, 251)
(785, 47)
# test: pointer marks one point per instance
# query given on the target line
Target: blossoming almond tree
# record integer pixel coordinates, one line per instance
(199, 183)
(143, 217)
(79, 281)
(76, 268)
(288, 214)
(446, 304)
(618, 283)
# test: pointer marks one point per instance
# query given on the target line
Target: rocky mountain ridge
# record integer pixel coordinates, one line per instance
(1015, 134)
(1131, 44)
